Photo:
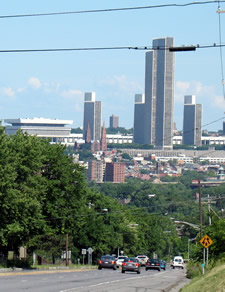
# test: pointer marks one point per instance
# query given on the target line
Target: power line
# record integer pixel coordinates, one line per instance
(221, 53)
(143, 48)
(109, 9)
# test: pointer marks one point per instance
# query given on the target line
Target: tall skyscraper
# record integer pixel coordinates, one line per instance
(113, 121)
(92, 116)
(159, 94)
(192, 121)
(139, 110)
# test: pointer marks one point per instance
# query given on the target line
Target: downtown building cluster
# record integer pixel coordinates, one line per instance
(154, 110)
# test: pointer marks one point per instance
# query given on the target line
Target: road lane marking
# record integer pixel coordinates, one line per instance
(109, 282)
(41, 272)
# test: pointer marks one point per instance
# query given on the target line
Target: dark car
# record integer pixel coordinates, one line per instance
(163, 265)
(107, 261)
(131, 265)
(153, 264)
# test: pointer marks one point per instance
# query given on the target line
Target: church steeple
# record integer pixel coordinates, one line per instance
(88, 134)
(103, 142)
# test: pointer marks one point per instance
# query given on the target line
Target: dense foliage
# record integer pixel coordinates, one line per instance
(44, 196)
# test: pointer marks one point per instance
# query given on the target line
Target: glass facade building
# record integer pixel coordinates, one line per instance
(92, 116)
(192, 121)
(159, 94)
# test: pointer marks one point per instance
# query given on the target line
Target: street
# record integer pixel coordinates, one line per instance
(105, 280)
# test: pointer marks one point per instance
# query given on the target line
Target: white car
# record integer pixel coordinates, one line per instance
(142, 259)
(119, 260)
(178, 262)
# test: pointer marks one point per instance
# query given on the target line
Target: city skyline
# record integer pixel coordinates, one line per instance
(52, 84)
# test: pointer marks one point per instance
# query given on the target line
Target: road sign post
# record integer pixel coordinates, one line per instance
(205, 241)
(84, 251)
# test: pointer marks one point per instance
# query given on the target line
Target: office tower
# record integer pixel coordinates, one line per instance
(113, 121)
(139, 110)
(192, 121)
(92, 116)
(159, 94)
(115, 172)
(223, 128)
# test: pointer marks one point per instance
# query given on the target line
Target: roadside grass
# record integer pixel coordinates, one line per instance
(213, 280)
(71, 266)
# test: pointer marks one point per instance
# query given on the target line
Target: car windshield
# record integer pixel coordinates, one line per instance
(131, 260)
(153, 261)
(122, 258)
(107, 258)
(141, 257)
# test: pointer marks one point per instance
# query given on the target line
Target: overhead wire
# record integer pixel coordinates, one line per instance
(221, 52)
(106, 48)
(110, 9)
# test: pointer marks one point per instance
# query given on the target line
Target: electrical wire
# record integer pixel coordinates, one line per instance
(221, 53)
(110, 9)
(143, 48)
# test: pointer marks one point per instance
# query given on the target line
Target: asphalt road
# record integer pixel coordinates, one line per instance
(92, 281)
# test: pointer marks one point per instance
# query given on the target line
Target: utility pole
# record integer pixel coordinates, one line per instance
(67, 262)
(210, 220)
(200, 206)
(220, 204)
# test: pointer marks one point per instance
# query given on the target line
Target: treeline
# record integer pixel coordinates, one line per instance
(44, 196)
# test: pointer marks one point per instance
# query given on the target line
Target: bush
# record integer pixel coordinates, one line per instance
(194, 269)
(24, 263)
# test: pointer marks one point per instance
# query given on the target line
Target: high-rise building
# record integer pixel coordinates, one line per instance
(159, 94)
(192, 121)
(113, 121)
(139, 110)
(92, 116)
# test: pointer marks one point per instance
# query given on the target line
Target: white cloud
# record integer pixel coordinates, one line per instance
(8, 91)
(34, 82)
(122, 83)
(20, 90)
(71, 93)
(193, 88)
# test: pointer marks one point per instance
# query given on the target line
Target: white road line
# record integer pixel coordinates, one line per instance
(110, 282)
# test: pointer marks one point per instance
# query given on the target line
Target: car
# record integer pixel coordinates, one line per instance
(119, 260)
(153, 264)
(178, 262)
(107, 261)
(142, 259)
(162, 264)
(131, 264)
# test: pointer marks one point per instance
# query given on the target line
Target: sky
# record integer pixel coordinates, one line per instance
(52, 84)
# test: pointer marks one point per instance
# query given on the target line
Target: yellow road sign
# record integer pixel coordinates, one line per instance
(206, 241)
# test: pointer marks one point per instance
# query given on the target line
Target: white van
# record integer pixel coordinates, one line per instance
(178, 262)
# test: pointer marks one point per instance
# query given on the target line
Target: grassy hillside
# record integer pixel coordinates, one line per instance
(213, 280)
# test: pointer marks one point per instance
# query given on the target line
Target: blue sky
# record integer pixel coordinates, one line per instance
(52, 84)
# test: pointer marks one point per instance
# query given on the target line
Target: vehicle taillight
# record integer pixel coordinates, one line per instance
(157, 264)
(130, 261)
(123, 264)
(113, 262)
(100, 262)
(137, 264)
(147, 264)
